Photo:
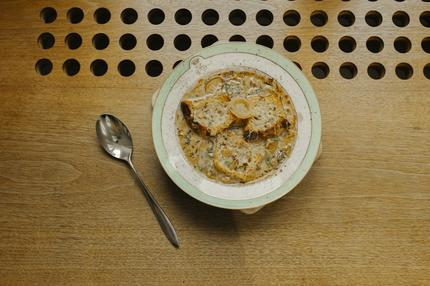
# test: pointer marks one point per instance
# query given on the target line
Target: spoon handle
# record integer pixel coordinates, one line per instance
(162, 218)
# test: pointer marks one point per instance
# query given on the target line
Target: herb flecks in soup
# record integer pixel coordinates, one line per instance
(236, 126)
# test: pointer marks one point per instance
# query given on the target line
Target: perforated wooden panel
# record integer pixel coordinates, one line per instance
(340, 39)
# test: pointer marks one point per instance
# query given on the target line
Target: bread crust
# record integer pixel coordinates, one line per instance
(208, 116)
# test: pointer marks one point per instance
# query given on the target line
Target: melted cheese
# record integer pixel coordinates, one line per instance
(236, 126)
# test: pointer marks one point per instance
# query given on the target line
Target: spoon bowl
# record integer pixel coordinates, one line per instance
(114, 137)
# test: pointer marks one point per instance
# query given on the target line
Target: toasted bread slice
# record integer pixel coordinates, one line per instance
(208, 115)
(269, 117)
(237, 158)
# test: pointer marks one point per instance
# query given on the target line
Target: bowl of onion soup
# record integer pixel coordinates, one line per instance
(236, 126)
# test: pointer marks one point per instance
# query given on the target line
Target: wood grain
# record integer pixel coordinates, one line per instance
(69, 215)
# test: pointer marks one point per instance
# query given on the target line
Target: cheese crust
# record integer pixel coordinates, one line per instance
(236, 126)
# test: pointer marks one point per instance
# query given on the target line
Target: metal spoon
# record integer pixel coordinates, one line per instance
(115, 139)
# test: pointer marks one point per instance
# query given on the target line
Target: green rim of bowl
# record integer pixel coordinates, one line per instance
(304, 166)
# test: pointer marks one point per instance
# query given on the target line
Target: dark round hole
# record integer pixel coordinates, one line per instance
(347, 44)
(100, 41)
(346, 18)
(208, 40)
(425, 18)
(404, 71)
(73, 41)
(264, 17)
(129, 16)
(400, 19)
(298, 65)
(126, 68)
(183, 16)
(402, 44)
(71, 67)
(99, 67)
(376, 70)
(237, 38)
(292, 43)
(319, 44)
(375, 44)
(46, 40)
(210, 17)
(265, 40)
(156, 16)
(155, 42)
(43, 66)
(127, 42)
(75, 15)
(291, 18)
(319, 18)
(320, 70)
(348, 70)
(182, 42)
(373, 18)
(102, 15)
(425, 44)
(176, 63)
(237, 17)
(426, 71)
(154, 68)
(48, 15)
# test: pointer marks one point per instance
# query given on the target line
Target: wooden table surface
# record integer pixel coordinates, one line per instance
(70, 215)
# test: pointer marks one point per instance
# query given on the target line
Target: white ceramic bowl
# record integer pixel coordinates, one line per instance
(251, 196)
